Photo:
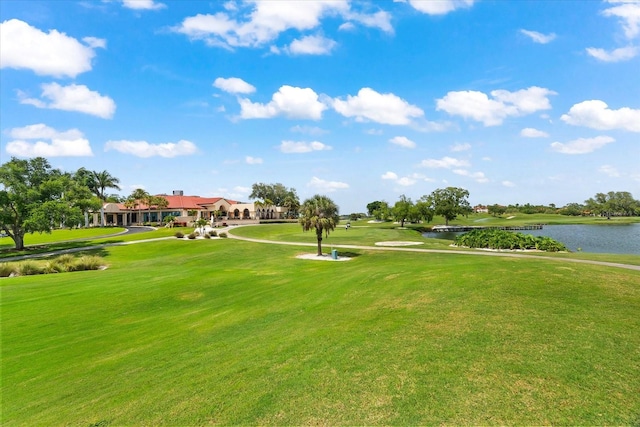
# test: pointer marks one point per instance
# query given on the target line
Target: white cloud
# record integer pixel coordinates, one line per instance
(257, 23)
(73, 98)
(508, 184)
(142, 4)
(596, 114)
(95, 42)
(253, 160)
(628, 13)
(609, 170)
(445, 162)
(311, 45)
(582, 145)
(390, 175)
(144, 149)
(290, 102)
(303, 147)
(405, 181)
(440, 7)
(70, 143)
(539, 37)
(381, 108)
(461, 147)
(403, 141)
(51, 54)
(533, 133)
(233, 85)
(616, 55)
(491, 112)
(324, 186)
(477, 176)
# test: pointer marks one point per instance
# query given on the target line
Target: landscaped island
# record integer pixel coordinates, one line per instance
(492, 238)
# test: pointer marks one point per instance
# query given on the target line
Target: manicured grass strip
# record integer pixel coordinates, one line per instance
(232, 332)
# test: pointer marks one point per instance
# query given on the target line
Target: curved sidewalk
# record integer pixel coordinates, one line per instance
(442, 251)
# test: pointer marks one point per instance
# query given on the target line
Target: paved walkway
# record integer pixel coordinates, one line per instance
(450, 252)
(370, 248)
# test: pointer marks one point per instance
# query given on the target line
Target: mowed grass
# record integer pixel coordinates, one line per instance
(230, 332)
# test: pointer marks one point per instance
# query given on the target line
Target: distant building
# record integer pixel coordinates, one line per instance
(480, 209)
(188, 209)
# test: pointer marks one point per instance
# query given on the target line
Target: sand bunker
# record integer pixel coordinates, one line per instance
(324, 257)
(398, 243)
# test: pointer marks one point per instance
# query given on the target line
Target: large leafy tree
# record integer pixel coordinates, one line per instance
(319, 213)
(277, 194)
(402, 210)
(35, 197)
(450, 202)
(613, 203)
(100, 182)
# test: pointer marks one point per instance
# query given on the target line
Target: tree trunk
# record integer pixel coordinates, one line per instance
(18, 239)
(102, 219)
(86, 219)
(319, 235)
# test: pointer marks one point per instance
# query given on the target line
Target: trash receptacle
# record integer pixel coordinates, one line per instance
(334, 253)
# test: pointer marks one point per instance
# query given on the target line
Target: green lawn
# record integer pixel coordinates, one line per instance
(231, 332)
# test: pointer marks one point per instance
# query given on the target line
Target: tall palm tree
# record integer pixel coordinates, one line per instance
(319, 213)
(100, 182)
(139, 196)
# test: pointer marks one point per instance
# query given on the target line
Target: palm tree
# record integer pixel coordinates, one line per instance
(99, 183)
(321, 214)
(139, 195)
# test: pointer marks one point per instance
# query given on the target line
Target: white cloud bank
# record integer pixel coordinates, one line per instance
(255, 24)
(233, 85)
(49, 54)
(370, 105)
(311, 45)
(73, 98)
(144, 149)
(582, 145)
(440, 7)
(405, 181)
(596, 114)
(70, 143)
(493, 111)
(290, 102)
(616, 55)
(142, 5)
(303, 147)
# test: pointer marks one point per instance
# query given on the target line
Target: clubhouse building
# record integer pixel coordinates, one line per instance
(188, 209)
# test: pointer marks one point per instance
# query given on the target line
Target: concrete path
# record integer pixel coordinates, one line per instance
(450, 252)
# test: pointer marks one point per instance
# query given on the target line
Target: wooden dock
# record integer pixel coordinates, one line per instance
(462, 228)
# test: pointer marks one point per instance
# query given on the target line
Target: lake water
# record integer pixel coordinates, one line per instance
(611, 239)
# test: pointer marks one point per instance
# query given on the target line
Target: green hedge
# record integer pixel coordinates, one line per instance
(501, 239)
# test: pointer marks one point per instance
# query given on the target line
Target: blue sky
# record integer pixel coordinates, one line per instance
(516, 101)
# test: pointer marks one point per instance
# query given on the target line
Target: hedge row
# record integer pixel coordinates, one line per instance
(501, 239)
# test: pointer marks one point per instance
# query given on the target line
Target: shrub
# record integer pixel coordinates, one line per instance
(501, 239)
(223, 235)
(179, 235)
(7, 269)
(207, 236)
(192, 236)
(29, 268)
(213, 233)
(89, 262)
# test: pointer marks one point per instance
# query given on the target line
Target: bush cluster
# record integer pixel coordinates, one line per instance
(501, 239)
(61, 264)
(179, 234)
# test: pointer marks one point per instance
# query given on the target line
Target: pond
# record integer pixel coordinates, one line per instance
(611, 239)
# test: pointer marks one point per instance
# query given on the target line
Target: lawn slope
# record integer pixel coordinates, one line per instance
(233, 332)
